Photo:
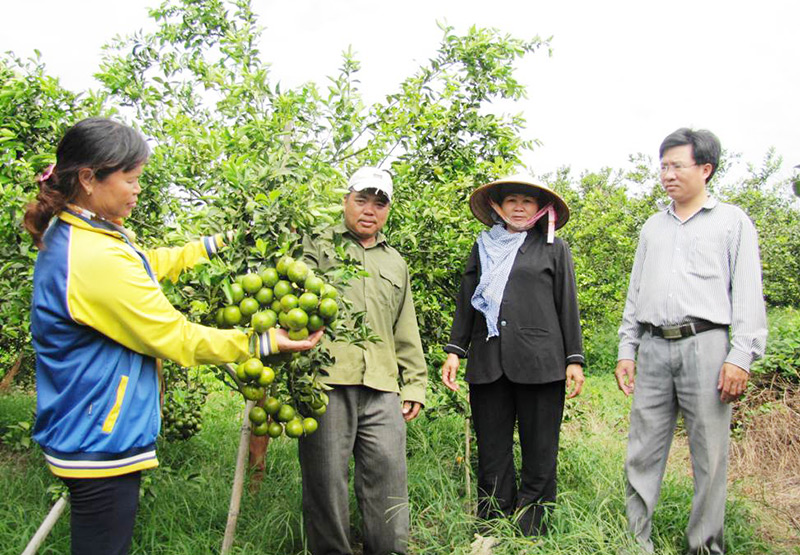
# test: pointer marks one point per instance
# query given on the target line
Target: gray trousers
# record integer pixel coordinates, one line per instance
(680, 376)
(369, 425)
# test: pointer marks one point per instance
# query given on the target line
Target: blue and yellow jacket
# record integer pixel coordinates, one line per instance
(99, 321)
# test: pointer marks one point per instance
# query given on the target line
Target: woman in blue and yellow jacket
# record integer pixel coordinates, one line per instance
(100, 321)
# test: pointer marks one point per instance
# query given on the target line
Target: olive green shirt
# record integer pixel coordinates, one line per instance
(396, 363)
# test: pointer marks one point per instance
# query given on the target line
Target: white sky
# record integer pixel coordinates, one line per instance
(624, 73)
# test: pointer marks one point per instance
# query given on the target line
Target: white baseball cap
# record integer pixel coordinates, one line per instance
(371, 178)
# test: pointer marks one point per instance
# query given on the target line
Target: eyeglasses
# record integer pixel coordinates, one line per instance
(676, 167)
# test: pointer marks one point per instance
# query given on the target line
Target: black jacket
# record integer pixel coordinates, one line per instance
(539, 323)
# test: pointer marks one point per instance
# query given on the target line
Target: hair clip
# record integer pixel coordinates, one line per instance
(48, 171)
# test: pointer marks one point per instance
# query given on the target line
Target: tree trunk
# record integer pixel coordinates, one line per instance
(5, 385)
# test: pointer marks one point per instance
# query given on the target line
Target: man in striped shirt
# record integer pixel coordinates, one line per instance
(695, 317)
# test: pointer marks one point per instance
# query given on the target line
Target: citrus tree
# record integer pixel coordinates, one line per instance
(233, 150)
(34, 111)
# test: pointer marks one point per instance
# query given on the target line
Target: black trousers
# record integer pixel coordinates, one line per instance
(103, 511)
(537, 409)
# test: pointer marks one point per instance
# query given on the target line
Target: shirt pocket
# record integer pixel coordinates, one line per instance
(706, 258)
(391, 288)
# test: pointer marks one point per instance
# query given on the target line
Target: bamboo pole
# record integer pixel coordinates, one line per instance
(467, 465)
(47, 525)
(238, 480)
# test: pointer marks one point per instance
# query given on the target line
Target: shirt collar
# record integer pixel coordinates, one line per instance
(710, 203)
(341, 229)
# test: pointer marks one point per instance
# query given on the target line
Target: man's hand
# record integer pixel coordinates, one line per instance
(732, 382)
(575, 380)
(449, 371)
(626, 375)
(286, 345)
(411, 410)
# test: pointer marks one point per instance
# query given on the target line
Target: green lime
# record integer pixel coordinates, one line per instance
(232, 315)
(240, 373)
(266, 377)
(288, 302)
(251, 283)
(261, 322)
(313, 284)
(272, 405)
(285, 413)
(253, 368)
(328, 292)
(258, 415)
(308, 302)
(328, 309)
(248, 306)
(253, 393)
(296, 318)
(237, 292)
(310, 425)
(260, 429)
(274, 430)
(283, 265)
(269, 277)
(294, 428)
(264, 296)
(297, 272)
(282, 288)
(315, 322)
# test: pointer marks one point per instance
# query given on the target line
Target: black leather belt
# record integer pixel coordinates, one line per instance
(684, 330)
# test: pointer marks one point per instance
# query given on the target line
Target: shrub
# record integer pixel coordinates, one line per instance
(783, 345)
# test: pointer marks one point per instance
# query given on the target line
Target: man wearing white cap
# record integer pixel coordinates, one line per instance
(376, 389)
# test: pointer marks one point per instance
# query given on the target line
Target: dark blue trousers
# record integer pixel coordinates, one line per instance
(102, 513)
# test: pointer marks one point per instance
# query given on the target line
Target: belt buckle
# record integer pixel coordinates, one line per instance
(672, 332)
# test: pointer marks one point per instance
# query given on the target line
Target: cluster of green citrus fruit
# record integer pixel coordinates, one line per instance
(182, 416)
(276, 418)
(289, 295)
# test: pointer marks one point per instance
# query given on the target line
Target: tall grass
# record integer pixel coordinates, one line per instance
(184, 502)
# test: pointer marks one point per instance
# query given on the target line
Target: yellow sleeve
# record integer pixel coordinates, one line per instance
(110, 290)
(169, 262)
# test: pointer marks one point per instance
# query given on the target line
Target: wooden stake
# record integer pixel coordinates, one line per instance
(238, 479)
(467, 465)
(46, 526)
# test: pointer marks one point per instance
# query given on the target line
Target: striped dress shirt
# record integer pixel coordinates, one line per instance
(705, 268)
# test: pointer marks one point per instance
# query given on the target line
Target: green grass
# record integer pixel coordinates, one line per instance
(185, 501)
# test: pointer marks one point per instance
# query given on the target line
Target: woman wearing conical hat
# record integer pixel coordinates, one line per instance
(517, 324)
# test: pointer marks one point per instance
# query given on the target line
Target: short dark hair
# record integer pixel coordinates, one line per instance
(706, 148)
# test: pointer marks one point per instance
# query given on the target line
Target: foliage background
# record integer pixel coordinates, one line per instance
(234, 150)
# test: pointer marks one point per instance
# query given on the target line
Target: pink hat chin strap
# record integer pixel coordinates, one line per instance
(549, 210)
